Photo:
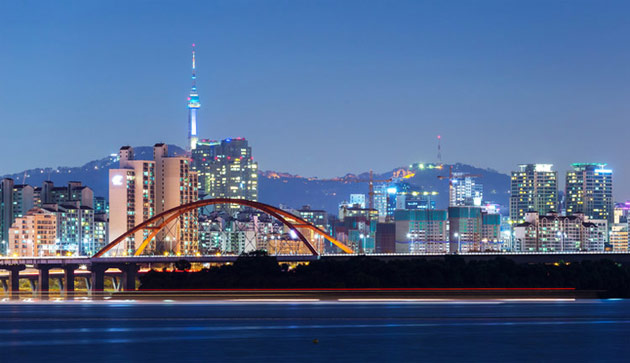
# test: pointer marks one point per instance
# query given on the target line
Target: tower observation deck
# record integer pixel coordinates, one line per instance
(193, 106)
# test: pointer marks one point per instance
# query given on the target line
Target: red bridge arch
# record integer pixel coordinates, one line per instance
(160, 221)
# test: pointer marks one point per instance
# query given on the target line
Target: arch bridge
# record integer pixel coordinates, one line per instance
(158, 225)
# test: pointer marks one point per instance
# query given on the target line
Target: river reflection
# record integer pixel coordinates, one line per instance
(86, 328)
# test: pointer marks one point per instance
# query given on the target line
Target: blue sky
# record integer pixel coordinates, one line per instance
(321, 88)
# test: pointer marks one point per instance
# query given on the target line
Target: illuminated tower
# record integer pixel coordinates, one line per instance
(589, 191)
(193, 106)
(534, 189)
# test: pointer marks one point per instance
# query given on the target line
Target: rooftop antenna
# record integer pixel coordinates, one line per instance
(439, 147)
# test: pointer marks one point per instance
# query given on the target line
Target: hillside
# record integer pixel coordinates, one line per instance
(277, 188)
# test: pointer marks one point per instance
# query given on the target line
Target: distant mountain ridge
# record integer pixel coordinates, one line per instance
(277, 188)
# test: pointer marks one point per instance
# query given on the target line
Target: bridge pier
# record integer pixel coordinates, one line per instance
(14, 277)
(97, 277)
(130, 272)
(68, 276)
(43, 279)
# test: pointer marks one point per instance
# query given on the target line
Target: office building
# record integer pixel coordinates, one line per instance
(358, 200)
(346, 211)
(316, 217)
(534, 187)
(465, 191)
(397, 196)
(589, 191)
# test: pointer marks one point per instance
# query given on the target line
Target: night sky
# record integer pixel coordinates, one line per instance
(321, 88)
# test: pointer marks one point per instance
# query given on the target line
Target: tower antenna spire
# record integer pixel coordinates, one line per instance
(193, 106)
(194, 68)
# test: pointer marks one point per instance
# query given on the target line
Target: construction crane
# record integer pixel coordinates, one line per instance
(371, 182)
(450, 178)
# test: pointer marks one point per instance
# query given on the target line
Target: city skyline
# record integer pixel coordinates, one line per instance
(368, 180)
(246, 93)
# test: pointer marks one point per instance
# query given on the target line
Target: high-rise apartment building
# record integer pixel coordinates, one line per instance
(618, 237)
(534, 187)
(176, 184)
(589, 191)
(471, 229)
(48, 193)
(15, 202)
(80, 231)
(132, 198)
(555, 233)
(421, 231)
(140, 189)
(226, 169)
(34, 234)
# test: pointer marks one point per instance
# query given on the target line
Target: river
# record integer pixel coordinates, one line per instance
(471, 331)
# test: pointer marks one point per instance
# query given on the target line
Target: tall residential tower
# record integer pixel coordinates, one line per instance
(589, 191)
(193, 106)
(226, 169)
(534, 189)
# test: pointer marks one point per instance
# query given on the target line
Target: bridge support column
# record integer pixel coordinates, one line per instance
(98, 277)
(14, 277)
(68, 275)
(43, 279)
(130, 272)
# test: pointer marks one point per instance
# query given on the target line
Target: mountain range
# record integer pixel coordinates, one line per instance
(277, 188)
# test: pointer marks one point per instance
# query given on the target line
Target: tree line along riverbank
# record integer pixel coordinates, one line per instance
(260, 271)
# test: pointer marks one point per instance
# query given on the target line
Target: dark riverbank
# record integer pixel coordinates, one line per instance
(608, 278)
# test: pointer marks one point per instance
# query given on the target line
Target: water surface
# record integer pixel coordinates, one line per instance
(588, 330)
